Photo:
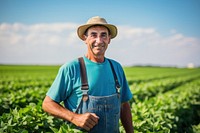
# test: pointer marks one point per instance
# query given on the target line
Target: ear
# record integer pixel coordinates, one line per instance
(84, 37)
(109, 39)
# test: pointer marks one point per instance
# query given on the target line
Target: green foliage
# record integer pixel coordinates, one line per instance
(165, 100)
(28, 119)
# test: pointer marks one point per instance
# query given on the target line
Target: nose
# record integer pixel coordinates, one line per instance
(99, 39)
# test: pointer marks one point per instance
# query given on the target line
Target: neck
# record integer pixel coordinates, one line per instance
(98, 59)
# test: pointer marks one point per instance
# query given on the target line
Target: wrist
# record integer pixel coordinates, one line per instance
(73, 117)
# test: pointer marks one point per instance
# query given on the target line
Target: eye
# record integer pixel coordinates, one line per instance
(93, 35)
(104, 35)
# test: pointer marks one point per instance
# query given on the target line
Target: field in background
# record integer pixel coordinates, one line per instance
(165, 99)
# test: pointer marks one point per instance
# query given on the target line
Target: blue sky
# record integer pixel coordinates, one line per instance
(147, 29)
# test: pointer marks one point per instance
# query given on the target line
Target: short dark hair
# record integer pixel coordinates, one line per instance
(94, 26)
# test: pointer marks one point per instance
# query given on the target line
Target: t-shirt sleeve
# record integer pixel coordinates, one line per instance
(126, 94)
(61, 86)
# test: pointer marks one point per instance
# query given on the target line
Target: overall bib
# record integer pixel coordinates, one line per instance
(107, 108)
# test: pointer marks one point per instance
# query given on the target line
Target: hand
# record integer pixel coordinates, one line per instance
(86, 121)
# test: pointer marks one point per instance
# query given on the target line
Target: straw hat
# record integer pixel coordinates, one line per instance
(96, 21)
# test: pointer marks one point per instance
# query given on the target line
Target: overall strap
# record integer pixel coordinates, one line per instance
(84, 80)
(117, 85)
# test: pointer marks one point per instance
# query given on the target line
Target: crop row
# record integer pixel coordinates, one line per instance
(161, 98)
(145, 74)
(174, 111)
(146, 90)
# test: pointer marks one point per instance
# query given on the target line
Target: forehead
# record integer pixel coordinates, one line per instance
(97, 28)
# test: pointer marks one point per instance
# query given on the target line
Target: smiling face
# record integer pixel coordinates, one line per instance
(97, 39)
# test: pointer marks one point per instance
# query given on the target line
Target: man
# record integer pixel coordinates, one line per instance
(98, 106)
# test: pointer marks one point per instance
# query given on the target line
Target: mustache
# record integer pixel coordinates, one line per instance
(99, 45)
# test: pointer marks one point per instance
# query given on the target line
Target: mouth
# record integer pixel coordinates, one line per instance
(99, 47)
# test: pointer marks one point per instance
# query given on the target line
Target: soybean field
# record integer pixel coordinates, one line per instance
(165, 100)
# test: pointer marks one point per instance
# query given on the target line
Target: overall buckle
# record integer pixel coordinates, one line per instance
(85, 95)
(118, 90)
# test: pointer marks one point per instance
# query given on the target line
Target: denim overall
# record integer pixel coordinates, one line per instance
(107, 108)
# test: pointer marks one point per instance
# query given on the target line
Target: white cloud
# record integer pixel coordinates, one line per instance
(58, 42)
(149, 46)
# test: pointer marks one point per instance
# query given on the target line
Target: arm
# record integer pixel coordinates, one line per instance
(86, 121)
(126, 117)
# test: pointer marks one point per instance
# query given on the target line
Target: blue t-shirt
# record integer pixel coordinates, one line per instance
(67, 84)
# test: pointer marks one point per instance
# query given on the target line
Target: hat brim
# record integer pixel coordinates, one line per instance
(81, 30)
